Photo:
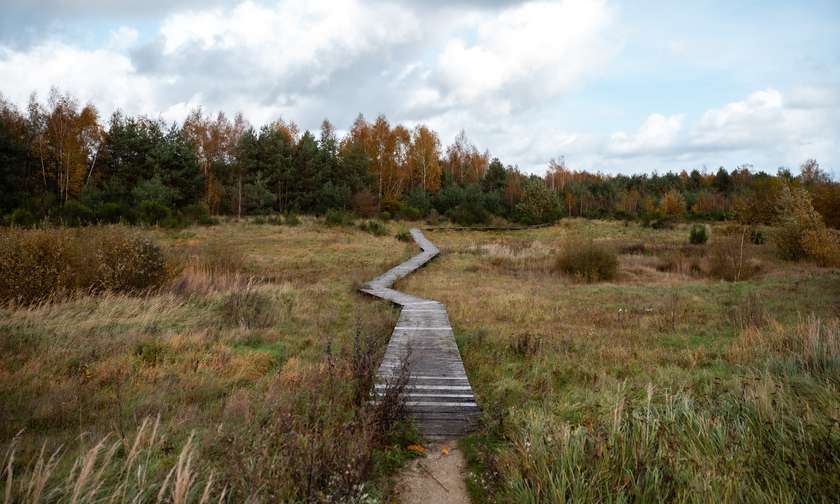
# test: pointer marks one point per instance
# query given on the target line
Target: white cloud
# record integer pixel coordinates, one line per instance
(103, 76)
(317, 37)
(765, 128)
(657, 134)
(538, 48)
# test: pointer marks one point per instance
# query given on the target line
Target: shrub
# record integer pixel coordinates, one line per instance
(248, 308)
(434, 218)
(292, 220)
(403, 235)
(338, 218)
(364, 203)
(801, 232)
(40, 264)
(587, 261)
(111, 213)
(730, 258)
(386, 215)
(74, 213)
(757, 237)
(698, 234)
(197, 214)
(411, 213)
(373, 227)
(21, 217)
(152, 212)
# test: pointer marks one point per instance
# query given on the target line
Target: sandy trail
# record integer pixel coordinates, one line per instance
(436, 478)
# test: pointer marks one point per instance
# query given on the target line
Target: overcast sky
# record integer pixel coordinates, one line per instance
(614, 86)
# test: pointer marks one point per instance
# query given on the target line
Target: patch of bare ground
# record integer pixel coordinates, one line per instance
(438, 477)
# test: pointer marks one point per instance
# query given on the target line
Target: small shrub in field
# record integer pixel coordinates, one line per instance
(217, 258)
(800, 231)
(587, 261)
(821, 246)
(730, 258)
(39, 264)
(757, 237)
(198, 214)
(403, 235)
(375, 228)
(698, 235)
(152, 212)
(434, 218)
(292, 220)
(111, 213)
(249, 308)
(21, 217)
(74, 213)
(411, 213)
(386, 215)
(338, 218)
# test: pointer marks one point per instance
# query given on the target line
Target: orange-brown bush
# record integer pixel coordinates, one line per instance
(587, 260)
(801, 231)
(36, 265)
(730, 258)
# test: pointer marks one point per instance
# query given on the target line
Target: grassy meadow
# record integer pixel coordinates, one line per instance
(243, 376)
(665, 384)
(248, 360)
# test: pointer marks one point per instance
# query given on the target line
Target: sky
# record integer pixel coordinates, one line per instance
(611, 86)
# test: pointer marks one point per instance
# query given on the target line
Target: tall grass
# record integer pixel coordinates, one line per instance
(41, 264)
(114, 469)
(587, 260)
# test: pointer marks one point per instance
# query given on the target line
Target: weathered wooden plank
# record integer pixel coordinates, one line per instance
(438, 394)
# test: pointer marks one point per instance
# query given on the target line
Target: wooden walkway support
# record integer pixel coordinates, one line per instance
(438, 395)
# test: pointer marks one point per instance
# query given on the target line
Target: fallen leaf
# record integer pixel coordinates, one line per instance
(445, 451)
(416, 448)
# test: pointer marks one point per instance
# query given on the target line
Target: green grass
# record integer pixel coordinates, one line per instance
(644, 388)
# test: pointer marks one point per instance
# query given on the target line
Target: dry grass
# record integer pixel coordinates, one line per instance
(595, 392)
(254, 322)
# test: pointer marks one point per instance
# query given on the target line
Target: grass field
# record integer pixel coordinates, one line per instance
(657, 386)
(663, 384)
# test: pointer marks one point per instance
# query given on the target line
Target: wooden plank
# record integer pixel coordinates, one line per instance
(438, 395)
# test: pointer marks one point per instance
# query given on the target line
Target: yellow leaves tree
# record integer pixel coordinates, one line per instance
(213, 141)
(672, 204)
(424, 159)
(66, 141)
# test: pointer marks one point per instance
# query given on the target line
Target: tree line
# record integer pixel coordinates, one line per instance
(60, 162)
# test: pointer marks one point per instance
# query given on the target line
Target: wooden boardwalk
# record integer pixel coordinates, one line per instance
(438, 395)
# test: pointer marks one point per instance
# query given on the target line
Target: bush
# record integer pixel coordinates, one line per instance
(292, 220)
(386, 215)
(587, 261)
(403, 235)
(373, 227)
(197, 214)
(249, 308)
(111, 213)
(757, 237)
(801, 232)
(36, 265)
(21, 217)
(152, 212)
(75, 214)
(698, 235)
(730, 258)
(338, 218)
(411, 213)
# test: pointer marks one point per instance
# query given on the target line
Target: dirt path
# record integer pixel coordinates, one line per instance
(436, 478)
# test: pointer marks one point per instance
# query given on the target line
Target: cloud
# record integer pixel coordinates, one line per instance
(531, 51)
(101, 76)
(656, 135)
(765, 128)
